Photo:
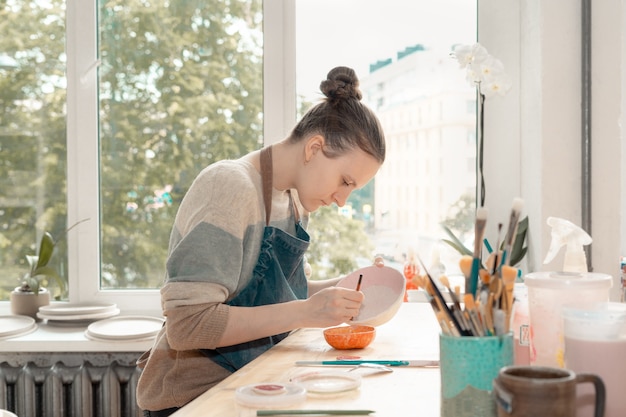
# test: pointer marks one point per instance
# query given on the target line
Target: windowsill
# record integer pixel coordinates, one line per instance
(51, 338)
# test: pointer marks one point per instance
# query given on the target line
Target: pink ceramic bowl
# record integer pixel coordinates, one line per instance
(383, 288)
(350, 337)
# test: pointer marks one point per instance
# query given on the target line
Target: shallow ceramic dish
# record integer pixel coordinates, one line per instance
(125, 328)
(350, 337)
(330, 382)
(383, 288)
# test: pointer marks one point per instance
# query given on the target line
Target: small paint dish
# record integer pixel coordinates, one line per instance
(270, 395)
(350, 337)
(269, 389)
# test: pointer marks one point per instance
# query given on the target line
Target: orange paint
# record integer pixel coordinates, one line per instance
(350, 337)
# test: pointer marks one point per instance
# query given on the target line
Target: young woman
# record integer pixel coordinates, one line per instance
(235, 283)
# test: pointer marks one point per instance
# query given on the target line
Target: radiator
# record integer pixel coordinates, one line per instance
(69, 385)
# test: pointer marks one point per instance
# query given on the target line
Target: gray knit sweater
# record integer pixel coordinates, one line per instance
(213, 249)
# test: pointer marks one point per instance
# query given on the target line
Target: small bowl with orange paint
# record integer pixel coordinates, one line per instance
(356, 336)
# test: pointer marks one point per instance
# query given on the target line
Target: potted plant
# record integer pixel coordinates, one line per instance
(517, 253)
(32, 293)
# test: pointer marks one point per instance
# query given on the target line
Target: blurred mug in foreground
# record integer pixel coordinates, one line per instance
(542, 391)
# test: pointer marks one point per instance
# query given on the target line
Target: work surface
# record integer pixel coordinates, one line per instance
(411, 334)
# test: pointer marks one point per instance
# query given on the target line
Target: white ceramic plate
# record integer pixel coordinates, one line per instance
(69, 323)
(76, 309)
(328, 382)
(13, 325)
(78, 317)
(125, 328)
(383, 288)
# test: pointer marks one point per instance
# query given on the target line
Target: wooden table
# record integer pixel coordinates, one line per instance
(411, 334)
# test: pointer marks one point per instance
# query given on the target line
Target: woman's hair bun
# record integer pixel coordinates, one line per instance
(341, 83)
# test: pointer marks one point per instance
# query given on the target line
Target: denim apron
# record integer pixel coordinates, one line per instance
(278, 277)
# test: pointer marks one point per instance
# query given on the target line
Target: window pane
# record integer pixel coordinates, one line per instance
(32, 136)
(400, 51)
(180, 87)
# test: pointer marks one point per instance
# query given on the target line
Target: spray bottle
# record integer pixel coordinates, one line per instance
(550, 291)
(567, 233)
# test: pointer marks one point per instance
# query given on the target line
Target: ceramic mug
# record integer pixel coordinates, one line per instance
(542, 391)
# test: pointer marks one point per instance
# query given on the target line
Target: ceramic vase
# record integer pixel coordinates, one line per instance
(26, 303)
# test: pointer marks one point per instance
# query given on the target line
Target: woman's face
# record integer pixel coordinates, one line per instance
(323, 180)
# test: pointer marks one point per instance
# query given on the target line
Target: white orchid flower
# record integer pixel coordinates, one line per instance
(487, 75)
(483, 71)
(463, 54)
(473, 75)
(493, 86)
(469, 54)
(490, 67)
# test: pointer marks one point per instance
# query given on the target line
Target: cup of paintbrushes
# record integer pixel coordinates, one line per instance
(468, 365)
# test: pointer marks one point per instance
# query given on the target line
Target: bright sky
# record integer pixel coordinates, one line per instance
(356, 33)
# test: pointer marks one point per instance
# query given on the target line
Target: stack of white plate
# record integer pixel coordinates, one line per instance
(14, 326)
(125, 328)
(74, 314)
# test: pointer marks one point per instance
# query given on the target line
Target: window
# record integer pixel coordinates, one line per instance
(33, 165)
(153, 93)
(400, 51)
(110, 110)
(173, 98)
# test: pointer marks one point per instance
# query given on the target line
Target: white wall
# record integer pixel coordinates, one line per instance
(533, 135)
(608, 135)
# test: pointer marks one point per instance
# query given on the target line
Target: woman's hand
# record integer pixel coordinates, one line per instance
(332, 306)
(329, 305)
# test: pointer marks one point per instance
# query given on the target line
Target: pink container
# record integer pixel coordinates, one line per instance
(595, 342)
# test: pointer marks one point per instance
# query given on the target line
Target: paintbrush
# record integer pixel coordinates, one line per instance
(445, 329)
(442, 302)
(358, 284)
(498, 314)
(494, 265)
(509, 274)
(470, 308)
(465, 264)
(446, 326)
(319, 412)
(479, 233)
(423, 283)
(456, 308)
(358, 287)
(446, 283)
(415, 363)
(516, 211)
(488, 314)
